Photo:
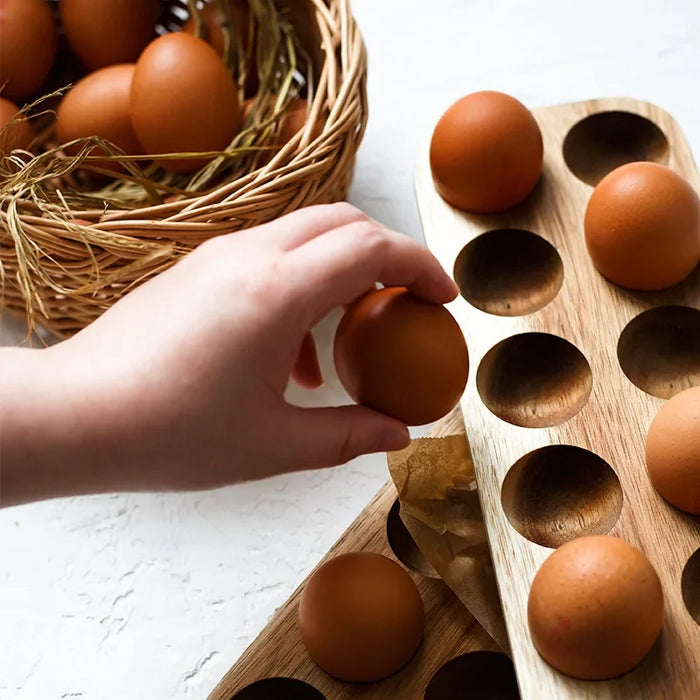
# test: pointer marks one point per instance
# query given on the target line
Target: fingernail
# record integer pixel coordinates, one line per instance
(395, 439)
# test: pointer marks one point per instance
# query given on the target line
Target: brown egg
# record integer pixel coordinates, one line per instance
(98, 105)
(401, 355)
(212, 34)
(19, 134)
(27, 46)
(642, 227)
(595, 608)
(183, 100)
(361, 617)
(293, 120)
(486, 153)
(104, 32)
(673, 451)
(246, 107)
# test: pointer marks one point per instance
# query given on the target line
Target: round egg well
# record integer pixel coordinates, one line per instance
(601, 142)
(559, 492)
(659, 350)
(509, 272)
(534, 380)
(404, 546)
(690, 586)
(477, 675)
(279, 689)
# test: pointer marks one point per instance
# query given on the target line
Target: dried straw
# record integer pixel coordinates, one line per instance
(70, 248)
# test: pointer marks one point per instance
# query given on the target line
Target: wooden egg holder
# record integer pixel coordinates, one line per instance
(450, 631)
(537, 380)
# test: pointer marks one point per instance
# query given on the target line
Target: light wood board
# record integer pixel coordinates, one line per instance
(591, 313)
(450, 628)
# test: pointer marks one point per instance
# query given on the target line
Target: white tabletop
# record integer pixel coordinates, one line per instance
(155, 596)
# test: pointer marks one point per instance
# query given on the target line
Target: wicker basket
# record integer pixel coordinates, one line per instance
(62, 273)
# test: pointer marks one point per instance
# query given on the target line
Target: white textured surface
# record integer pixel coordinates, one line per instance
(154, 596)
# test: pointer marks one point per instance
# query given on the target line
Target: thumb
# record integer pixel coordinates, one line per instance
(326, 437)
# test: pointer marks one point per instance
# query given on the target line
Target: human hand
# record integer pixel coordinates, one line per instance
(181, 384)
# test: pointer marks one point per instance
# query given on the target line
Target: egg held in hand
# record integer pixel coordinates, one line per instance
(98, 105)
(595, 608)
(642, 227)
(673, 451)
(28, 43)
(183, 100)
(361, 617)
(402, 356)
(486, 153)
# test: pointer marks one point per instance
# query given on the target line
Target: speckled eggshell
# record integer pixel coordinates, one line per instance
(642, 227)
(401, 356)
(361, 617)
(595, 608)
(183, 100)
(673, 451)
(486, 153)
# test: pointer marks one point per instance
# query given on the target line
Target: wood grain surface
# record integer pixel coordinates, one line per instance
(574, 391)
(278, 650)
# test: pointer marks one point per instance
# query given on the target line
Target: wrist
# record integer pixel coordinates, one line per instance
(48, 445)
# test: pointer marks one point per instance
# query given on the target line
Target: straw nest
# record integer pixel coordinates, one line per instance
(73, 243)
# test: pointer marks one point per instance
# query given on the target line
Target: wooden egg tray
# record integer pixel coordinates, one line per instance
(451, 632)
(562, 365)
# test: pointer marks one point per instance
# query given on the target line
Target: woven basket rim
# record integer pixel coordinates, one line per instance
(63, 274)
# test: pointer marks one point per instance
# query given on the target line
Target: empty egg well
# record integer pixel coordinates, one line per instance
(604, 141)
(404, 546)
(534, 380)
(509, 272)
(478, 675)
(659, 350)
(559, 492)
(279, 689)
(690, 586)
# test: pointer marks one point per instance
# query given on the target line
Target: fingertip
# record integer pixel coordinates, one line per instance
(394, 438)
(450, 290)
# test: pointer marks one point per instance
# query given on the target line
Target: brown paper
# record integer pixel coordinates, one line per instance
(435, 480)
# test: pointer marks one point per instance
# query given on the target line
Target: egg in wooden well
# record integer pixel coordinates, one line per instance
(486, 153)
(595, 608)
(642, 227)
(361, 617)
(183, 100)
(15, 129)
(104, 32)
(402, 356)
(98, 105)
(28, 43)
(673, 451)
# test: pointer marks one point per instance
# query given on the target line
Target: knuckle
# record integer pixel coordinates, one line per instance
(347, 211)
(370, 235)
